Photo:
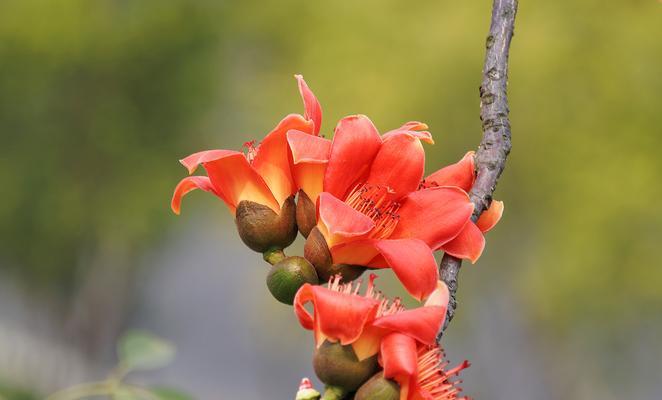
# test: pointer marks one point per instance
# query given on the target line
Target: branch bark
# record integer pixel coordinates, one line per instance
(495, 145)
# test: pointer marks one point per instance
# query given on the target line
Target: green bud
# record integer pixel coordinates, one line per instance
(337, 365)
(288, 275)
(262, 229)
(306, 214)
(378, 388)
(317, 252)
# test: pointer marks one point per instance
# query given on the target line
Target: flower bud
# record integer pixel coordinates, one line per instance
(317, 252)
(307, 391)
(378, 388)
(337, 365)
(262, 229)
(288, 275)
(306, 214)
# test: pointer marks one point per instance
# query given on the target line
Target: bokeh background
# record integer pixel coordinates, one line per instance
(99, 99)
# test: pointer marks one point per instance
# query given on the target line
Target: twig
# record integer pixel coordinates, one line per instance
(495, 146)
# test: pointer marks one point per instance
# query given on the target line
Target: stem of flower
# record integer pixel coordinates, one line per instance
(333, 393)
(273, 256)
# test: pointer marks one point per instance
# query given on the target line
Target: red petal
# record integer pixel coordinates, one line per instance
(489, 218)
(421, 323)
(468, 244)
(357, 252)
(413, 263)
(272, 158)
(435, 215)
(355, 144)
(460, 174)
(310, 155)
(413, 128)
(339, 222)
(338, 316)
(400, 360)
(233, 177)
(313, 110)
(186, 185)
(399, 165)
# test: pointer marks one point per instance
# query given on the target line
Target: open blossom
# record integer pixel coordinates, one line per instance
(371, 208)
(342, 314)
(261, 177)
(470, 242)
(420, 371)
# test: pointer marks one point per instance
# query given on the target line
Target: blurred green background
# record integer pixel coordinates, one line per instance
(99, 99)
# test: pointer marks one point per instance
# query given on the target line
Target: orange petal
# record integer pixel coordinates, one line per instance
(337, 316)
(310, 156)
(357, 252)
(400, 360)
(469, 244)
(413, 263)
(413, 128)
(460, 174)
(313, 110)
(186, 185)
(440, 296)
(422, 323)
(272, 158)
(233, 177)
(339, 222)
(367, 345)
(355, 144)
(435, 215)
(489, 218)
(399, 165)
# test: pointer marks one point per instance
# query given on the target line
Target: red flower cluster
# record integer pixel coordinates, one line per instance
(363, 202)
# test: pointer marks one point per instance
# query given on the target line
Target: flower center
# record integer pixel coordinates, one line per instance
(386, 306)
(434, 380)
(373, 201)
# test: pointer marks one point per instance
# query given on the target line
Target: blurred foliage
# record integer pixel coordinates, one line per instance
(95, 98)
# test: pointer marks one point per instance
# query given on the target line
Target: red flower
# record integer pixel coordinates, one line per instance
(370, 210)
(419, 369)
(470, 242)
(342, 314)
(263, 175)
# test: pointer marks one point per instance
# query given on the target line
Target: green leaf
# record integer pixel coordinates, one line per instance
(170, 394)
(140, 350)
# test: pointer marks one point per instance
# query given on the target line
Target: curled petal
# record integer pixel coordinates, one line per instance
(186, 185)
(310, 156)
(469, 244)
(440, 296)
(422, 323)
(271, 160)
(234, 179)
(339, 222)
(194, 160)
(435, 215)
(413, 128)
(399, 165)
(400, 360)
(489, 218)
(413, 263)
(337, 316)
(313, 110)
(460, 174)
(355, 144)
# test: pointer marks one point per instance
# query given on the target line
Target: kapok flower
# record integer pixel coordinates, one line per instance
(341, 314)
(257, 187)
(370, 211)
(470, 242)
(420, 372)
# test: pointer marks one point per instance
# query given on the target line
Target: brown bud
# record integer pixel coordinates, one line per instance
(337, 365)
(262, 229)
(317, 252)
(288, 275)
(306, 214)
(378, 388)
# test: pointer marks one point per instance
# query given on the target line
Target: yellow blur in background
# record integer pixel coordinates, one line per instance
(99, 99)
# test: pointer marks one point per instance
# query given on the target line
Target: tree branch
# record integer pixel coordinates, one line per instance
(495, 146)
